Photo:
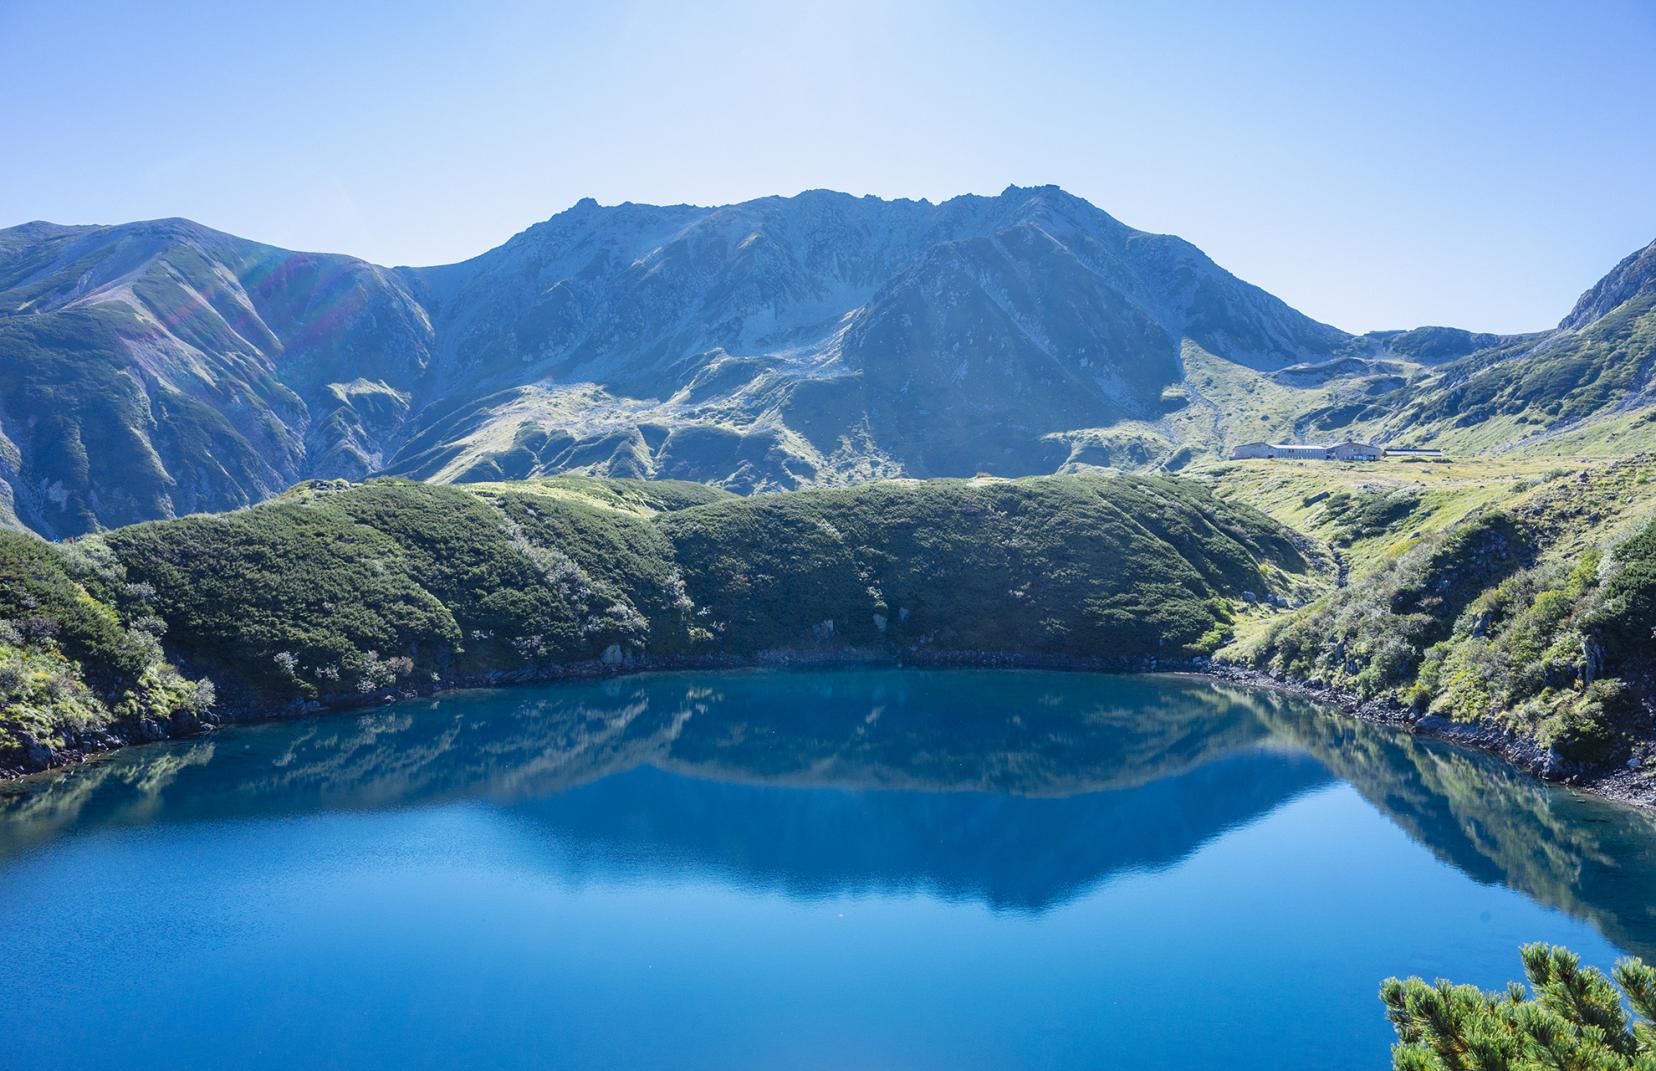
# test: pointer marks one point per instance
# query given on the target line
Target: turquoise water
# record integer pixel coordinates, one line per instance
(845, 869)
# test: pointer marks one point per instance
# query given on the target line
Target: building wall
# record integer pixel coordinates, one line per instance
(1296, 452)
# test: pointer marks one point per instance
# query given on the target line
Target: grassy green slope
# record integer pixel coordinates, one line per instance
(1503, 595)
(337, 593)
(1369, 511)
(1581, 392)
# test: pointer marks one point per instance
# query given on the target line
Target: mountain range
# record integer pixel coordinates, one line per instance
(154, 369)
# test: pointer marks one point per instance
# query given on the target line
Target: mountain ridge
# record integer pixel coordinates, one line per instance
(163, 367)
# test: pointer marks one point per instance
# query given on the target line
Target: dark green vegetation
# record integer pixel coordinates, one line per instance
(70, 664)
(1106, 568)
(1367, 513)
(1373, 635)
(1572, 1020)
(340, 593)
(1534, 614)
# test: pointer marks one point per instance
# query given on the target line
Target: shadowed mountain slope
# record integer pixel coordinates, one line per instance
(154, 369)
(163, 368)
(160, 368)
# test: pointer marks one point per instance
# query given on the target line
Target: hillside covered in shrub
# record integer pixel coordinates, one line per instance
(71, 665)
(1531, 614)
(338, 593)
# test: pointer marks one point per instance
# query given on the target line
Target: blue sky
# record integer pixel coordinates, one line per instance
(1376, 165)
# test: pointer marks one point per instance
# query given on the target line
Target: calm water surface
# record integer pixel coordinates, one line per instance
(847, 869)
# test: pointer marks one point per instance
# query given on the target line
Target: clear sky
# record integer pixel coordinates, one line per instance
(1380, 164)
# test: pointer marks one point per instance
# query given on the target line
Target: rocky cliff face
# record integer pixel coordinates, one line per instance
(163, 368)
(1635, 276)
(159, 368)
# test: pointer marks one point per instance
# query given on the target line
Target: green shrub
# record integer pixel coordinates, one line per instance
(1624, 618)
(70, 663)
(1573, 1019)
(1368, 513)
(1372, 637)
(1121, 567)
(342, 592)
(303, 581)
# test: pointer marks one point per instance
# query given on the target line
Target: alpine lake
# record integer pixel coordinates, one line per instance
(846, 868)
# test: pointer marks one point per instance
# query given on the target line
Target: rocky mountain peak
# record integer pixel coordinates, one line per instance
(773, 343)
(1635, 275)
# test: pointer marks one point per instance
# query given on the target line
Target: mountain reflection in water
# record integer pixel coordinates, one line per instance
(1021, 789)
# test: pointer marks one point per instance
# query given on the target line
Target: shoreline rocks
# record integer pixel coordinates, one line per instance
(1626, 784)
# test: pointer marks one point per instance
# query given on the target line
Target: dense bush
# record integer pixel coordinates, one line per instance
(1623, 619)
(294, 599)
(70, 664)
(338, 592)
(507, 609)
(41, 597)
(1371, 638)
(1463, 625)
(341, 589)
(1368, 513)
(1572, 1020)
(1552, 651)
(617, 566)
(1111, 568)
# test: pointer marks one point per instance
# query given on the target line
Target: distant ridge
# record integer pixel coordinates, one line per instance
(158, 368)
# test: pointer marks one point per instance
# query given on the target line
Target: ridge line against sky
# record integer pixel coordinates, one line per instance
(1377, 165)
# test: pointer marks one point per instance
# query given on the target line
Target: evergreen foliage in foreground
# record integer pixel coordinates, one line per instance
(1573, 1019)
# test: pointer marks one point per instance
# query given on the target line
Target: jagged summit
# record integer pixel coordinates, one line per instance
(161, 367)
(1635, 275)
